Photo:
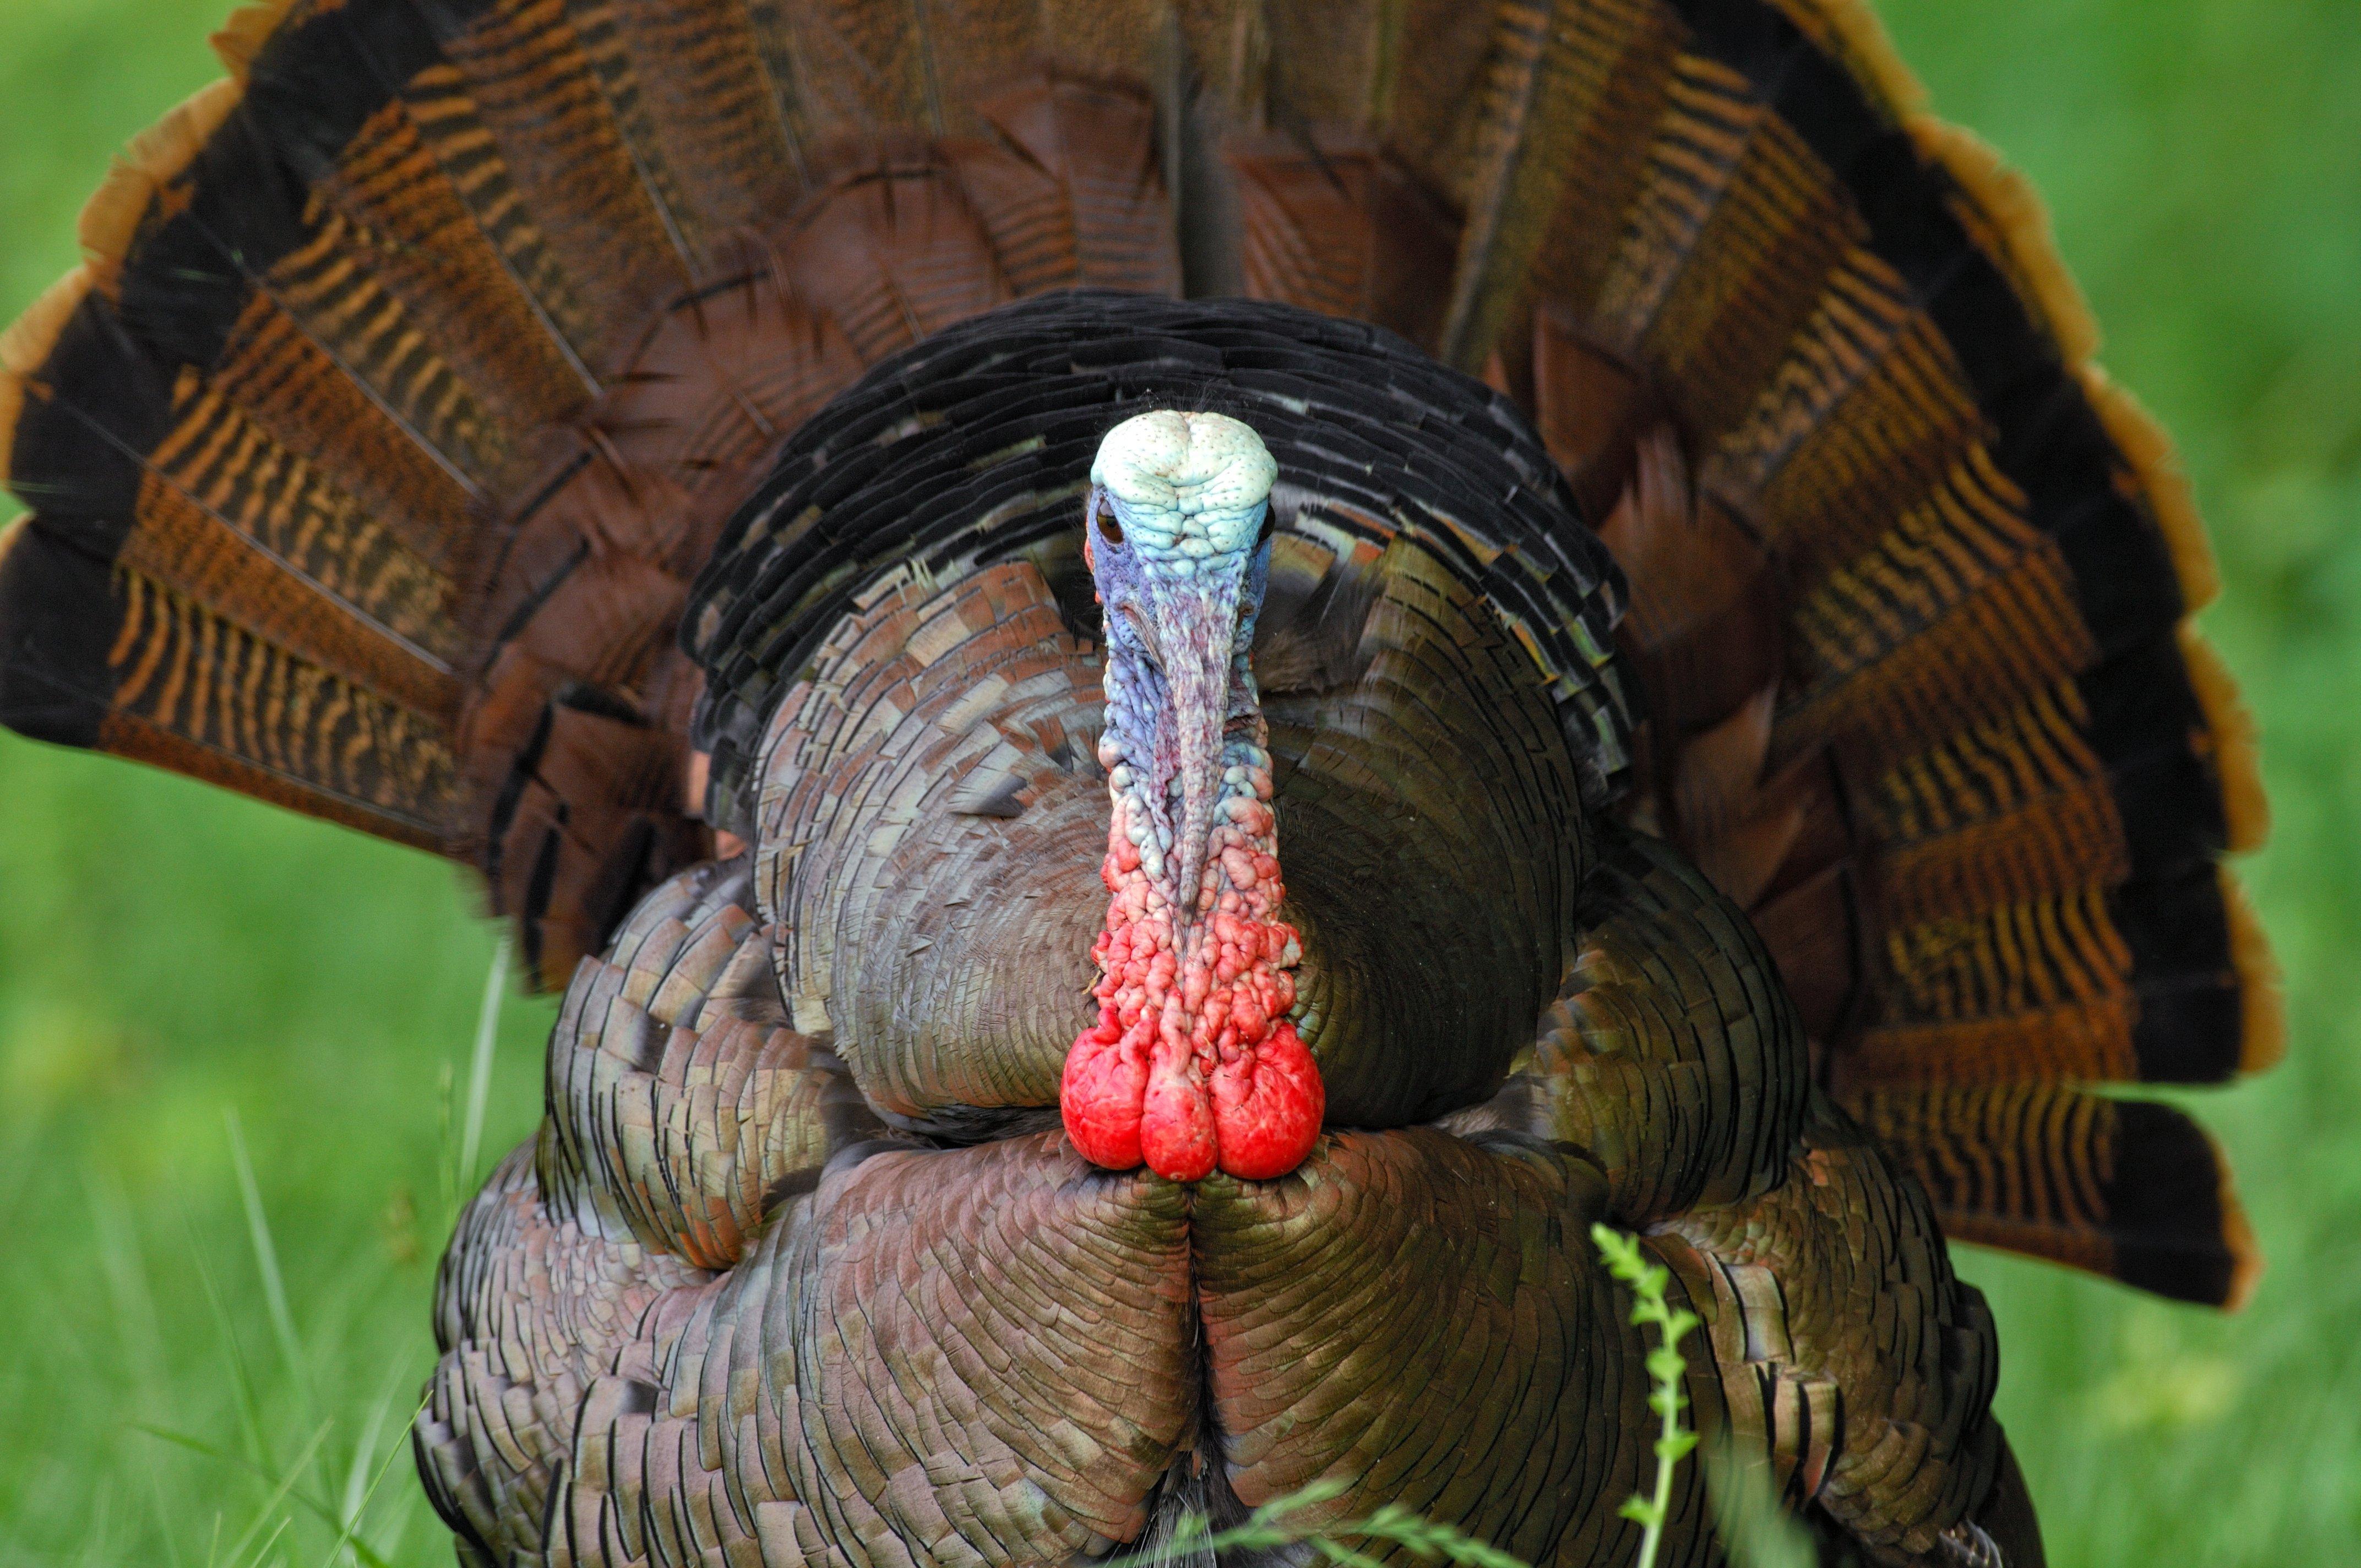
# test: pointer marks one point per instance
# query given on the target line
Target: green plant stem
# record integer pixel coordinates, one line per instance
(1666, 1368)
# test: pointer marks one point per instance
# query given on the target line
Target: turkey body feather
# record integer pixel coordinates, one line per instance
(1720, 673)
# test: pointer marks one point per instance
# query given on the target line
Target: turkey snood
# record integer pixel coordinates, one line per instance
(1193, 1064)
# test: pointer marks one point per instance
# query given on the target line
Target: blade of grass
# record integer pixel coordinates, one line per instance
(351, 1540)
(278, 1497)
(285, 1487)
(360, 1486)
(405, 1510)
(264, 1550)
(136, 1327)
(446, 1164)
(358, 1476)
(97, 1549)
(265, 1261)
(479, 1069)
(164, 1522)
(249, 1405)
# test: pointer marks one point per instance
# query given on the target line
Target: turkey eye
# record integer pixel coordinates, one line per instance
(1109, 530)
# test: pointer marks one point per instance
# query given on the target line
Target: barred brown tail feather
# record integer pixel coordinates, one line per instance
(2129, 1188)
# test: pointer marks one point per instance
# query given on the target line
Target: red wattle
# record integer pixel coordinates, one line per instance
(1178, 1137)
(1266, 1108)
(1099, 1096)
(1193, 1064)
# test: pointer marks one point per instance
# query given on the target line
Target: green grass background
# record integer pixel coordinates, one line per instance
(170, 956)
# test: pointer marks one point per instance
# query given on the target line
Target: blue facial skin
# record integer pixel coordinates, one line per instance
(1181, 701)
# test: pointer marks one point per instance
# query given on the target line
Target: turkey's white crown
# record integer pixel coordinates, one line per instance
(1189, 487)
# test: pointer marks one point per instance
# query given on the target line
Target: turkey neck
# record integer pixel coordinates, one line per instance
(1193, 1064)
(1195, 966)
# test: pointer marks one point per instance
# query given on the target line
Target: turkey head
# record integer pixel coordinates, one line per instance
(1193, 1062)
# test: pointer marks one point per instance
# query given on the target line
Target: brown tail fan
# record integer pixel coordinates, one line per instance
(415, 368)
(1911, 584)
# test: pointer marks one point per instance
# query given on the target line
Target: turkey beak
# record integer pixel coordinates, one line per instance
(1195, 622)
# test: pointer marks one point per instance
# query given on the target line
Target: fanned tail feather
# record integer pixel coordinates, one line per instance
(2125, 1188)
(1910, 584)
(415, 369)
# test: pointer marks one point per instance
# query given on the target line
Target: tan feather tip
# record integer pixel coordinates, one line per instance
(26, 344)
(1853, 33)
(2262, 1021)
(28, 340)
(2246, 1253)
(241, 38)
(2156, 467)
(172, 143)
(2230, 732)
(110, 218)
(2009, 223)
(156, 156)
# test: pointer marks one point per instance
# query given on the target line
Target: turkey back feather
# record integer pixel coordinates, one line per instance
(416, 372)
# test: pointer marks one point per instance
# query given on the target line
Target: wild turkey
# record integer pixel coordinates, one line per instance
(759, 477)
